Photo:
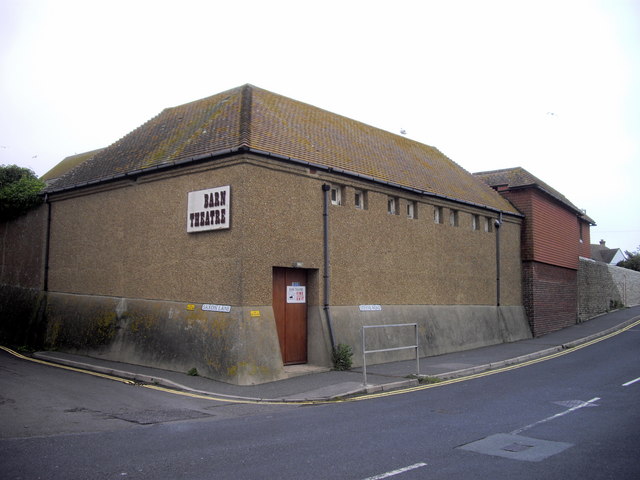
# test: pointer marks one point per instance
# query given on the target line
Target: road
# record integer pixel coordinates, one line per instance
(573, 417)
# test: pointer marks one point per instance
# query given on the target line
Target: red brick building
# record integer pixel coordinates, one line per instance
(555, 234)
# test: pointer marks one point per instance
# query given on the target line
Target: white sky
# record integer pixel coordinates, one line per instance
(551, 86)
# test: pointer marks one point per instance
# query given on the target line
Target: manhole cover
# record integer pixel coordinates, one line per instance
(516, 447)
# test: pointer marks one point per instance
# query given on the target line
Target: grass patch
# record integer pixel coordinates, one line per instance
(342, 355)
(426, 379)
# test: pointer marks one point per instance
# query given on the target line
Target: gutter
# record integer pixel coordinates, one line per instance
(379, 181)
(564, 201)
(263, 153)
(141, 171)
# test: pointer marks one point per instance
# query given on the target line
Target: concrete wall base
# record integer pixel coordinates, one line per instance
(441, 329)
(242, 348)
(232, 347)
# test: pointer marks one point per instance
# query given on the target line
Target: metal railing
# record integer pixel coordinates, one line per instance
(365, 351)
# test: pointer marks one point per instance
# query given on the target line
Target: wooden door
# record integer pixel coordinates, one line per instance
(290, 310)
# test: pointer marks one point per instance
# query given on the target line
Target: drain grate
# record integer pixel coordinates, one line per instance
(516, 447)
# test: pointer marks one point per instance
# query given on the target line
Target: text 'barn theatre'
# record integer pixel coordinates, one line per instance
(247, 231)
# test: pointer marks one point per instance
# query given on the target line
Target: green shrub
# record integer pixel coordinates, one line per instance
(342, 357)
(19, 191)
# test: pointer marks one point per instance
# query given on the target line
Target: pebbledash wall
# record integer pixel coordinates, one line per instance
(604, 287)
(126, 281)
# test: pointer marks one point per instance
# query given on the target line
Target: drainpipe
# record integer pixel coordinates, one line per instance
(47, 239)
(325, 189)
(498, 225)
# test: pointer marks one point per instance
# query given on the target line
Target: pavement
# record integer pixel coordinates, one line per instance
(309, 383)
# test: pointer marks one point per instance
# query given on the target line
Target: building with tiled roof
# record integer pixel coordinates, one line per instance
(255, 120)
(66, 165)
(555, 235)
(519, 178)
(601, 253)
(247, 232)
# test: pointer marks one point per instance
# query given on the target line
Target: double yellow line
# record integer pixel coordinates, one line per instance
(502, 369)
(66, 367)
(156, 387)
(319, 402)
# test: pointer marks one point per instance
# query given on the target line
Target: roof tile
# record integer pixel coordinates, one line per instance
(518, 177)
(251, 117)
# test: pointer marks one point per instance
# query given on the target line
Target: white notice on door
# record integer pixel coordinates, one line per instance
(296, 294)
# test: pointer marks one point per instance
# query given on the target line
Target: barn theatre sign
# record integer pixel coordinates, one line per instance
(209, 209)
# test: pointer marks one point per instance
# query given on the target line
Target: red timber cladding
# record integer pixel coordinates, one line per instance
(551, 232)
(550, 250)
(521, 199)
(584, 248)
(550, 297)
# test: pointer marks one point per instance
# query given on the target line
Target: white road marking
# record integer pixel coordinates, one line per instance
(557, 415)
(397, 472)
(632, 381)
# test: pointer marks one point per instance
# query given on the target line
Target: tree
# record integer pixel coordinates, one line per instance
(19, 191)
(633, 260)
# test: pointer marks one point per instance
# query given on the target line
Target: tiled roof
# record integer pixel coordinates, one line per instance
(601, 253)
(66, 165)
(518, 177)
(251, 118)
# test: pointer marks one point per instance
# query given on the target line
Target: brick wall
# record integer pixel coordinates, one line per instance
(604, 287)
(553, 239)
(550, 297)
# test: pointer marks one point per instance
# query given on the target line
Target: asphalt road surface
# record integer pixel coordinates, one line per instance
(573, 417)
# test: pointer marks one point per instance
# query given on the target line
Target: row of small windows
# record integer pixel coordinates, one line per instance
(393, 207)
(393, 204)
(359, 198)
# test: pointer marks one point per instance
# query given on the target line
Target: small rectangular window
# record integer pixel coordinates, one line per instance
(392, 206)
(453, 218)
(336, 195)
(488, 224)
(411, 210)
(360, 199)
(357, 199)
(437, 214)
(475, 222)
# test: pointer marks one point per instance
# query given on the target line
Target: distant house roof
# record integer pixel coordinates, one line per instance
(251, 119)
(601, 253)
(518, 177)
(66, 165)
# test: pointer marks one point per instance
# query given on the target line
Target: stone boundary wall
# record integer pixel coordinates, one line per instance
(603, 287)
